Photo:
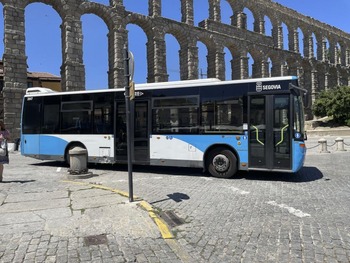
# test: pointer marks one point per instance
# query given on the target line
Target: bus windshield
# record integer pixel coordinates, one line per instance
(299, 123)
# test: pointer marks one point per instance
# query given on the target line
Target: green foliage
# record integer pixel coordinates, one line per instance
(335, 103)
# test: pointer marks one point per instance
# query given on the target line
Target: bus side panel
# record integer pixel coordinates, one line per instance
(43, 147)
(188, 150)
(52, 145)
(172, 151)
(100, 147)
(30, 144)
(298, 155)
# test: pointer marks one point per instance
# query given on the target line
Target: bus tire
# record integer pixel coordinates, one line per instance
(222, 163)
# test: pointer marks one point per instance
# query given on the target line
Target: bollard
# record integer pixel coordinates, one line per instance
(323, 143)
(78, 161)
(340, 144)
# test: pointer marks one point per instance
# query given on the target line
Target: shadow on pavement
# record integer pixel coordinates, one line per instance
(17, 181)
(136, 168)
(177, 197)
(306, 174)
(50, 164)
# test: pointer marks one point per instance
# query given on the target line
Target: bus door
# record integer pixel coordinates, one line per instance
(139, 130)
(269, 132)
(31, 125)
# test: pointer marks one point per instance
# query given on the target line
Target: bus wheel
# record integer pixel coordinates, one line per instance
(222, 163)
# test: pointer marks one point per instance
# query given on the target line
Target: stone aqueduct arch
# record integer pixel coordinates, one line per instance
(325, 67)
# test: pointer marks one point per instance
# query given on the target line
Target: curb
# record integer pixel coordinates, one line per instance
(328, 132)
(98, 186)
(162, 226)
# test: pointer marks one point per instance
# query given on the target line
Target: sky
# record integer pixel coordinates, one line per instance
(43, 36)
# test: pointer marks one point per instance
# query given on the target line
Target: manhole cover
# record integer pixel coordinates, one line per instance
(95, 240)
(171, 218)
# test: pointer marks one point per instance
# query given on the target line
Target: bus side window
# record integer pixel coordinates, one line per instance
(32, 116)
(51, 116)
(102, 117)
(177, 115)
(222, 116)
(174, 120)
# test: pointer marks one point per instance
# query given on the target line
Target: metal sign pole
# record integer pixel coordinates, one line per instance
(128, 122)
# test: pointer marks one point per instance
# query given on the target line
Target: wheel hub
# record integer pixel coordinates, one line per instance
(221, 163)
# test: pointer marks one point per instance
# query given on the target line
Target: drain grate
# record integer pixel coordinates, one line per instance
(95, 240)
(171, 218)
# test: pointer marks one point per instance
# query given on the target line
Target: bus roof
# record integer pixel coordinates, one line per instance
(207, 82)
(36, 90)
(161, 85)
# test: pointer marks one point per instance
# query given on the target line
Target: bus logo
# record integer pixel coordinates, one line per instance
(259, 86)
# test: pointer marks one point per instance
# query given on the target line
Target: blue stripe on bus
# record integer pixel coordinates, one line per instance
(298, 155)
(52, 145)
(30, 144)
(42, 144)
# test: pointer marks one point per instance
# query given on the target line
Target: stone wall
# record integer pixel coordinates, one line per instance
(319, 69)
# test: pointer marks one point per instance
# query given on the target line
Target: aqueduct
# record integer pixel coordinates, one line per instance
(322, 63)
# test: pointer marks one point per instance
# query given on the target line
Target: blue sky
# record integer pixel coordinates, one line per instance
(43, 36)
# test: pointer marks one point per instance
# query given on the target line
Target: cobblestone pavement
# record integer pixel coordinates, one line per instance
(255, 217)
(46, 218)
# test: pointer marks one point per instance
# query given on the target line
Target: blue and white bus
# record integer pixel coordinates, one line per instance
(220, 126)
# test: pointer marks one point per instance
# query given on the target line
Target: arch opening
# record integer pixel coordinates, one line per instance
(137, 6)
(95, 51)
(172, 57)
(44, 54)
(139, 50)
(202, 60)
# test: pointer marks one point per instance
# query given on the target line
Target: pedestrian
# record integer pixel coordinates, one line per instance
(4, 137)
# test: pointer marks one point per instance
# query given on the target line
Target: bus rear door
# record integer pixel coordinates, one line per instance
(139, 130)
(269, 132)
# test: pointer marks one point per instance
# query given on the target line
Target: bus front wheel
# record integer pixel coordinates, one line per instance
(222, 163)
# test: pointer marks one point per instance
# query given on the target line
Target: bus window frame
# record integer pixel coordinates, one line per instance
(76, 102)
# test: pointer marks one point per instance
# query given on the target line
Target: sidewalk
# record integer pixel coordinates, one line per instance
(45, 217)
(329, 132)
(314, 147)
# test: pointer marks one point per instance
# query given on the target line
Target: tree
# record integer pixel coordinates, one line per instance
(335, 103)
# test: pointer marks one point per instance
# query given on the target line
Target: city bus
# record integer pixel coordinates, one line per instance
(220, 126)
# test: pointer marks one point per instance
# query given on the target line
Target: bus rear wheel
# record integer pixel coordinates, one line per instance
(222, 163)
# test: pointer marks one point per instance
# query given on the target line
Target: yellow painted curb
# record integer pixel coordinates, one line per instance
(122, 193)
(163, 227)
